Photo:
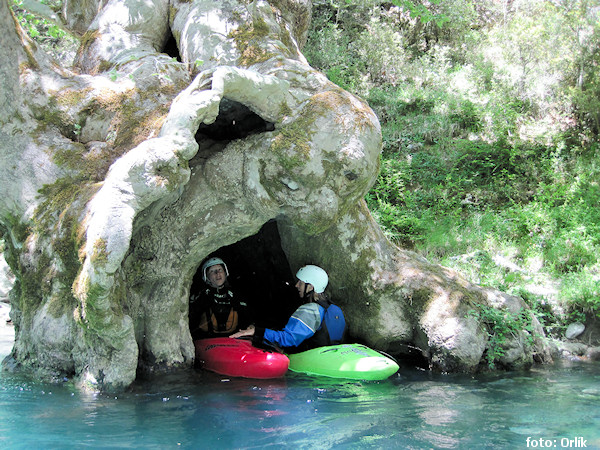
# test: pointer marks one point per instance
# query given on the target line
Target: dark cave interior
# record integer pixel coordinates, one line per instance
(171, 49)
(235, 121)
(259, 272)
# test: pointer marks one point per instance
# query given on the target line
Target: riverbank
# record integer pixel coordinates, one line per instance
(584, 347)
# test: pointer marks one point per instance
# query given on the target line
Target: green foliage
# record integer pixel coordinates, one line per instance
(490, 121)
(581, 291)
(42, 22)
(467, 116)
(586, 103)
(502, 325)
(36, 25)
(422, 12)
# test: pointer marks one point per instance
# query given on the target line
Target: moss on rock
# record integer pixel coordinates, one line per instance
(99, 255)
(248, 38)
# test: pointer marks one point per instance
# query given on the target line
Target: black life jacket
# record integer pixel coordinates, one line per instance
(220, 314)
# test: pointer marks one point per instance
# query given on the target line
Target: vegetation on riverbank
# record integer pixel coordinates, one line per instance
(490, 115)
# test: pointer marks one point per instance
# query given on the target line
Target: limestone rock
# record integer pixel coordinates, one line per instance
(574, 330)
(123, 174)
(593, 353)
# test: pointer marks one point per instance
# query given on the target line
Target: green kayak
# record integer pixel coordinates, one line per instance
(351, 361)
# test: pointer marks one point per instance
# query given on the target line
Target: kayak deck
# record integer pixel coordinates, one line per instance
(350, 361)
(239, 358)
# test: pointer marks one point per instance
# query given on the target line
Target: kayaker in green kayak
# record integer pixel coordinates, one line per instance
(316, 323)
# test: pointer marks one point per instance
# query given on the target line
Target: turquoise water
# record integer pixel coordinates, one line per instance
(415, 409)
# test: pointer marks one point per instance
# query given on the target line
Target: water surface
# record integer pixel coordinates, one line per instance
(412, 410)
(559, 404)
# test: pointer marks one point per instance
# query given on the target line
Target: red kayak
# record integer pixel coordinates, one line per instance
(238, 358)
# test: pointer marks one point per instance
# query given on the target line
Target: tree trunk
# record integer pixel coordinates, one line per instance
(125, 171)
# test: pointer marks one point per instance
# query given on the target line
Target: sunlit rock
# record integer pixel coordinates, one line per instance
(124, 173)
(574, 330)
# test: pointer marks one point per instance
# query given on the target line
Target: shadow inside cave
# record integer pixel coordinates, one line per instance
(260, 274)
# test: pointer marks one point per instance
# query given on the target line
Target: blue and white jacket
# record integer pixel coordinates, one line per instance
(303, 324)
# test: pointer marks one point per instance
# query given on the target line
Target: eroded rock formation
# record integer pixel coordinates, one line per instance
(126, 171)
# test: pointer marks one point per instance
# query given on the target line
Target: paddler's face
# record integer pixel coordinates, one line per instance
(216, 275)
(303, 288)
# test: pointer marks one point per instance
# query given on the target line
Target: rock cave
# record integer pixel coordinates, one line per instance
(147, 163)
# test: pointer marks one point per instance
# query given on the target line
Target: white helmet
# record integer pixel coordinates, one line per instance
(212, 262)
(315, 276)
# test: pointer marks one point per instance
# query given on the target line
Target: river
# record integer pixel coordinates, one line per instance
(555, 406)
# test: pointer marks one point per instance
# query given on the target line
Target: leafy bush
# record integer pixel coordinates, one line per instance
(581, 292)
(467, 116)
(45, 27)
(37, 26)
(500, 325)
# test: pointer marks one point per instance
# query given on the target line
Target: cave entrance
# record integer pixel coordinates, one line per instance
(259, 272)
(258, 268)
(234, 121)
(170, 48)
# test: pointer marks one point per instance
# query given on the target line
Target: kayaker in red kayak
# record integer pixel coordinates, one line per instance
(314, 324)
(216, 310)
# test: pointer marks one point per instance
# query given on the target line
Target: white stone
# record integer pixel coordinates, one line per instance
(574, 330)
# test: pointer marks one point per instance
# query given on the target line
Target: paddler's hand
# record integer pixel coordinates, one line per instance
(247, 332)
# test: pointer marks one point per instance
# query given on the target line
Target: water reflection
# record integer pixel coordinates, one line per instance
(204, 410)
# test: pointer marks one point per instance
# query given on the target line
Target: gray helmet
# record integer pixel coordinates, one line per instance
(315, 276)
(212, 262)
